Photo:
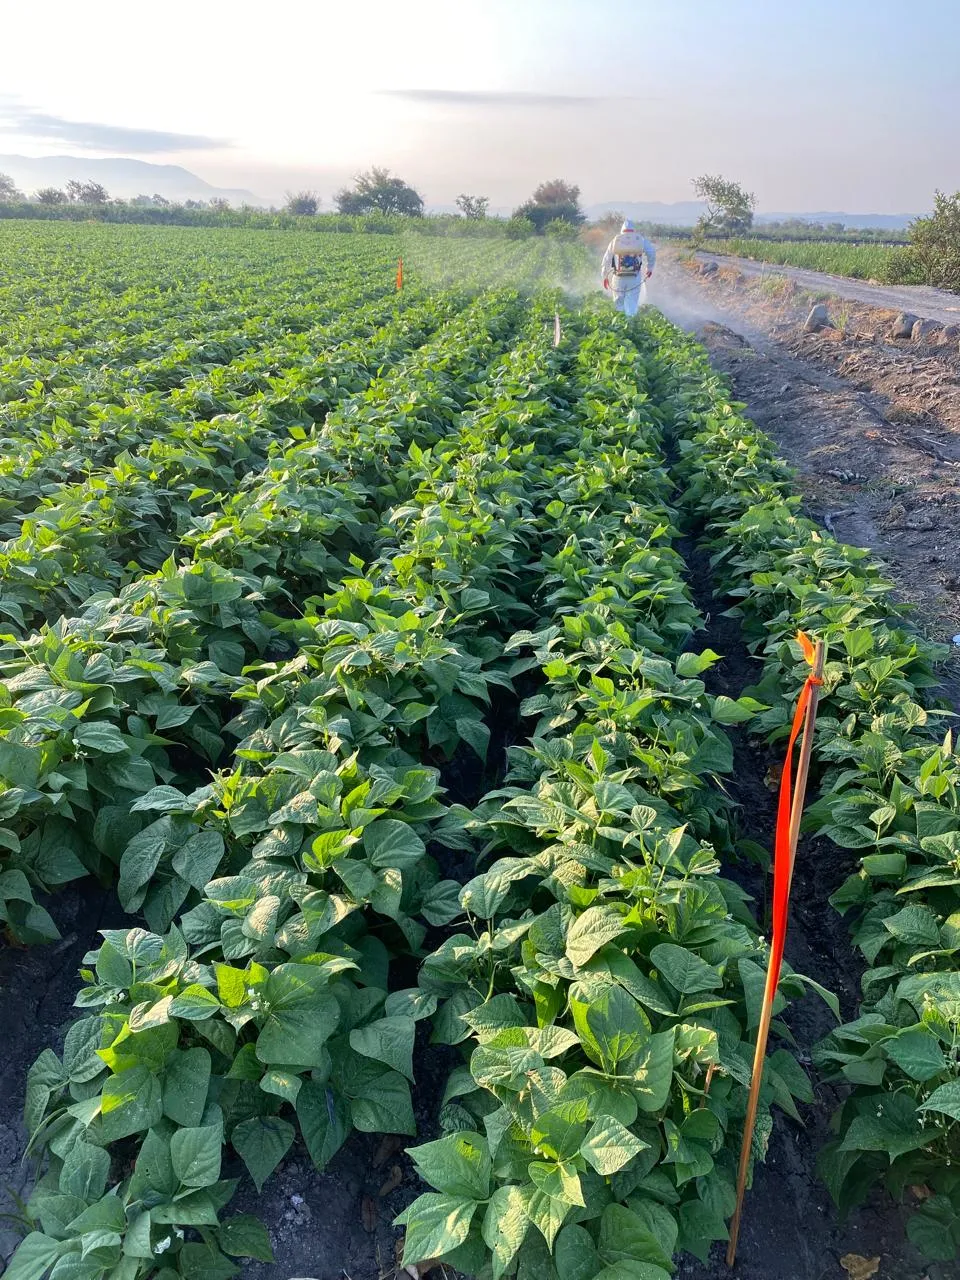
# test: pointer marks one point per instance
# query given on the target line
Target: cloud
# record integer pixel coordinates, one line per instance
(100, 137)
(491, 98)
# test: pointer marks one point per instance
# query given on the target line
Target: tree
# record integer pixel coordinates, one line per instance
(50, 195)
(729, 205)
(474, 207)
(377, 191)
(220, 205)
(8, 188)
(935, 242)
(552, 201)
(302, 202)
(87, 192)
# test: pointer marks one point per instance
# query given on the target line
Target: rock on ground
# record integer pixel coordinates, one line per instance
(902, 327)
(819, 318)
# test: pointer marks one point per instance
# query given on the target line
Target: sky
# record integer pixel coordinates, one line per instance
(812, 104)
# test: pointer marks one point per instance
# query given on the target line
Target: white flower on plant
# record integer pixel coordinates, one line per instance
(163, 1245)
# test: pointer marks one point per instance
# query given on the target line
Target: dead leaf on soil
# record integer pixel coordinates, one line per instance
(921, 1192)
(858, 1268)
(369, 1214)
(392, 1182)
(390, 1143)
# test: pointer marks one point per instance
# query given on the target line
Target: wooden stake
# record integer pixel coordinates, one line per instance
(773, 979)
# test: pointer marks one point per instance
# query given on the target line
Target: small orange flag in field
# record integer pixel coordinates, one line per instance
(400, 274)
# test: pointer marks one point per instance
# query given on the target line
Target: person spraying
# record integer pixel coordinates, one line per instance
(627, 266)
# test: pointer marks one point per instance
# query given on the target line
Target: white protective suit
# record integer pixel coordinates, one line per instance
(629, 259)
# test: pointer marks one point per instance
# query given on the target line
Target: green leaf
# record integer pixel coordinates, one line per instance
(390, 843)
(547, 1215)
(608, 1146)
(684, 970)
(458, 1165)
(197, 860)
(388, 1040)
(194, 1003)
(99, 735)
(575, 1254)
(946, 1100)
(727, 711)
(195, 1154)
(186, 1081)
(35, 1255)
(244, 1236)
(935, 1229)
(380, 1103)
(505, 1225)
(262, 1142)
(435, 1225)
(611, 1028)
(917, 1053)
(85, 1171)
(590, 931)
(651, 1071)
(302, 1016)
(625, 1237)
(324, 1121)
(131, 1102)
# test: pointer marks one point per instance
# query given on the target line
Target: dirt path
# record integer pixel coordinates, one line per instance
(927, 303)
(872, 427)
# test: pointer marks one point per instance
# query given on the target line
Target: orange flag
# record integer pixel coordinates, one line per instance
(400, 274)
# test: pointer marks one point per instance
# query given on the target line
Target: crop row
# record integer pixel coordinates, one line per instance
(889, 775)
(135, 691)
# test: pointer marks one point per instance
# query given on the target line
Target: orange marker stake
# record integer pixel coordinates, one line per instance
(789, 813)
(399, 274)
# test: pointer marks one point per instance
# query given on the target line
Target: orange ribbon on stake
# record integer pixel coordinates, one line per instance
(399, 274)
(789, 813)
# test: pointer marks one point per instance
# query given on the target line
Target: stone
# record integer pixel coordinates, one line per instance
(924, 330)
(819, 318)
(708, 268)
(902, 327)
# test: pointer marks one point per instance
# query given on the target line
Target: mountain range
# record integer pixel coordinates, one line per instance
(684, 213)
(123, 178)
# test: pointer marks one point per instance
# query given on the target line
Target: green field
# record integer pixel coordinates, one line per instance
(862, 262)
(348, 638)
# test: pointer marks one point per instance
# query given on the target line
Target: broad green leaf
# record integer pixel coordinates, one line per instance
(244, 1236)
(458, 1165)
(85, 1171)
(324, 1121)
(575, 1254)
(435, 1225)
(684, 970)
(195, 1154)
(262, 1142)
(608, 1146)
(611, 1028)
(945, 1100)
(917, 1053)
(35, 1254)
(186, 1081)
(505, 1225)
(131, 1102)
(390, 843)
(388, 1040)
(590, 931)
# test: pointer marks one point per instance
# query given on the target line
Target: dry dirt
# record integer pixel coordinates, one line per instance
(871, 424)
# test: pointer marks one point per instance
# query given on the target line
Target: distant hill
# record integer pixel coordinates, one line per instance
(684, 213)
(123, 178)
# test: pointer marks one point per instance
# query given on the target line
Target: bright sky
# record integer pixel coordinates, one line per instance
(814, 104)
